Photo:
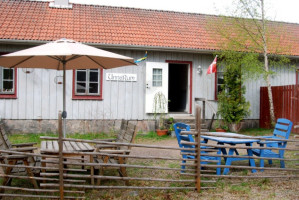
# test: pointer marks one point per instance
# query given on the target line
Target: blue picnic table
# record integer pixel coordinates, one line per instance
(229, 139)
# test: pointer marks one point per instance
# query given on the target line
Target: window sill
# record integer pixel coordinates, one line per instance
(8, 96)
(98, 98)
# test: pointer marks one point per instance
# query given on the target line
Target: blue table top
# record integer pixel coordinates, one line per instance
(229, 140)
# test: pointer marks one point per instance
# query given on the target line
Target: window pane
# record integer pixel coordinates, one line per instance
(157, 83)
(94, 76)
(81, 75)
(157, 71)
(8, 74)
(157, 77)
(7, 86)
(219, 88)
(93, 88)
(220, 81)
(81, 88)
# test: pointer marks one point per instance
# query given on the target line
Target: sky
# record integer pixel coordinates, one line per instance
(278, 10)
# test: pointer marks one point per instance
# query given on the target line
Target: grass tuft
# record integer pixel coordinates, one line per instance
(152, 136)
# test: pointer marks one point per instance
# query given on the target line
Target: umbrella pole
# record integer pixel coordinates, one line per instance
(64, 115)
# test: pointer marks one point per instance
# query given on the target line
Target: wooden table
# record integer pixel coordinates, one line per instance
(69, 149)
(247, 140)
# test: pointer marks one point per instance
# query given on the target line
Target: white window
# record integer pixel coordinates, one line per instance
(87, 82)
(157, 77)
(7, 81)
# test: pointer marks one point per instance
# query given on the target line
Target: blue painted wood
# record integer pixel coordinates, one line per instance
(282, 130)
(178, 127)
(233, 141)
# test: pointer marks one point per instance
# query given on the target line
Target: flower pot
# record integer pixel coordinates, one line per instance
(172, 134)
(235, 127)
(161, 132)
(220, 130)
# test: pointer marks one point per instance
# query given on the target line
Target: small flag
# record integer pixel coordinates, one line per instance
(213, 67)
(141, 59)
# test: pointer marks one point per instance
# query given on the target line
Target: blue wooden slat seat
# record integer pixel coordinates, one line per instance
(282, 130)
(178, 127)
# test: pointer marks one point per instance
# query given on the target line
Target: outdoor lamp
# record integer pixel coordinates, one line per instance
(199, 69)
(58, 79)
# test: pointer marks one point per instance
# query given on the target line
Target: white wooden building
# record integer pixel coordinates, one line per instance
(178, 57)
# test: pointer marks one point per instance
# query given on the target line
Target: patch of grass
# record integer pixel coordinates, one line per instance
(174, 165)
(263, 183)
(152, 136)
(242, 188)
(35, 137)
(27, 138)
(89, 136)
(245, 172)
(257, 131)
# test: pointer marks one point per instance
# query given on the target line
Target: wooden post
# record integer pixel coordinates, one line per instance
(203, 108)
(203, 111)
(60, 144)
(197, 140)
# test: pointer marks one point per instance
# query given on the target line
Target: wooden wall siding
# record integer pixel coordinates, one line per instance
(40, 98)
(286, 102)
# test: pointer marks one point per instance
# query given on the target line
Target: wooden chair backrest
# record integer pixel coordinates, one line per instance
(283, 128)
(178, 127)
(128, 134)
(4, 141)
(122, 130)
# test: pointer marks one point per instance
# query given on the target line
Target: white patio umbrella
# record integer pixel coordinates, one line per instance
(64, 54)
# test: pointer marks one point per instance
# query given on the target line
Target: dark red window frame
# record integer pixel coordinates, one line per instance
(297, 75)
(14, 95)
(191, 68)
(88, 97)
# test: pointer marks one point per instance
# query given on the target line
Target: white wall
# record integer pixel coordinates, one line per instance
(40, 98)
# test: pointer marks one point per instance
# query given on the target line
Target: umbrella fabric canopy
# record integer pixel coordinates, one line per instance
(64, 54)
(75, 54)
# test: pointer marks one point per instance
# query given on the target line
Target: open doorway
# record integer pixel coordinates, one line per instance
(178, 88)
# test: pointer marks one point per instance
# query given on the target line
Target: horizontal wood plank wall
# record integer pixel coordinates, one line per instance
(40, 98)
(285, 100)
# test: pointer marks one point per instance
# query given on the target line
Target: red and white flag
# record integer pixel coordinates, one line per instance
(213, 67)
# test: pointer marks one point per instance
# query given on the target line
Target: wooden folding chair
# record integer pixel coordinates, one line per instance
(8, 160)
(126, 135)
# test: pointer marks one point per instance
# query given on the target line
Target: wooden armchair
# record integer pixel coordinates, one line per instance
(126, 135)
(15, 159)
(178, 127)
(282, 130)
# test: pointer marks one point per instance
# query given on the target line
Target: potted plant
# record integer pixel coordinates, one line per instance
(160, 108)
(171, 129)
(220, 126)
(232, 105)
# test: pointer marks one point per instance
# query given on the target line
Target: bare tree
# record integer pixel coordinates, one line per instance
(248, 30)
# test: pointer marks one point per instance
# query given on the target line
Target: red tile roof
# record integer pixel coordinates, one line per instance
(36, 21)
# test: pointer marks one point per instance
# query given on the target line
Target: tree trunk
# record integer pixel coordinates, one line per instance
(270, 96)
(266, 63)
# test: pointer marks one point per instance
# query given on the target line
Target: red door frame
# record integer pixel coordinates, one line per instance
(190, 81)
